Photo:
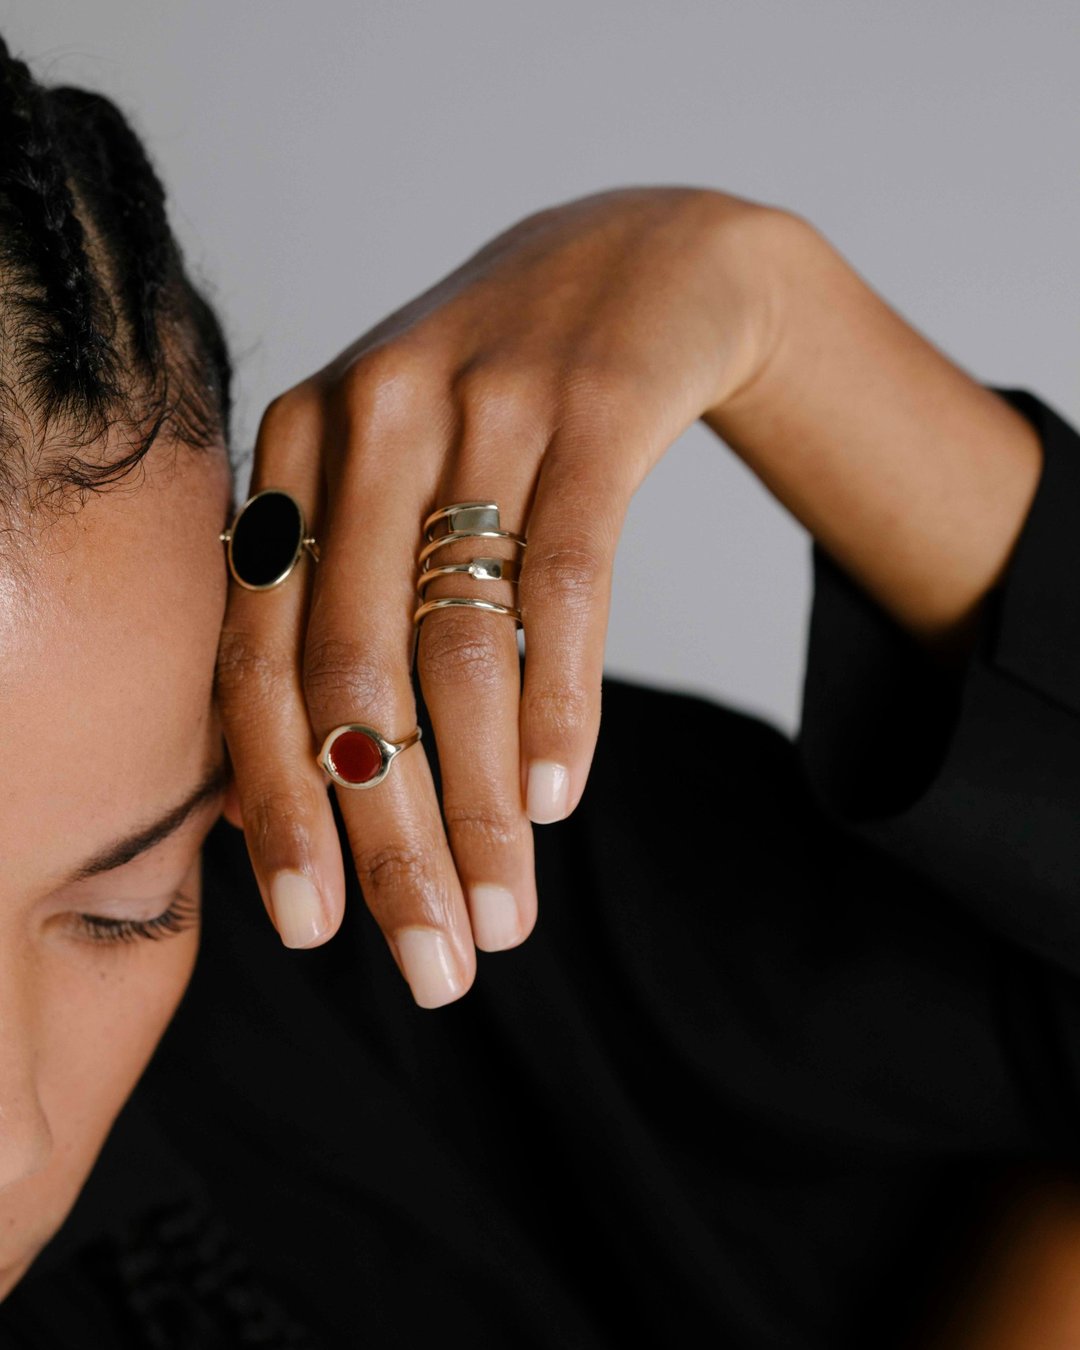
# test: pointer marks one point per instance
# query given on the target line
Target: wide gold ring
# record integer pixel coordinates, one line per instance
(467, 520)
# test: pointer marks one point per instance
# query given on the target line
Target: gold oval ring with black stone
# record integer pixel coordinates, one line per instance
(267, 538)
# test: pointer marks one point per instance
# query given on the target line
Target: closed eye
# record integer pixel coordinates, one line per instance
(182, 914)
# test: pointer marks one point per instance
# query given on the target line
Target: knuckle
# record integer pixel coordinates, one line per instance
(460, 649)
(339, 673)
(248, 668)
(384, 384)
(275, 821)
(493, 828)
(288, 415)
(499, 396)
(569, 573)
(391, 868)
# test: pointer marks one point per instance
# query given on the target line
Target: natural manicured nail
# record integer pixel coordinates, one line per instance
(430, 966)
(298, 909)
(495, 917)
(549, 791)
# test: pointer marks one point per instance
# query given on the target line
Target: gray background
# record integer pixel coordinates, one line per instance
(328, 160)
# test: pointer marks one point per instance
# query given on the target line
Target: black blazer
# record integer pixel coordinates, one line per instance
(788, 1011)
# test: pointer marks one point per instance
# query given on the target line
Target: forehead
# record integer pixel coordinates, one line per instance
(108, 629)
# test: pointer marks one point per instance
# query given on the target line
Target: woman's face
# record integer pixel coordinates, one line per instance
(111, 760)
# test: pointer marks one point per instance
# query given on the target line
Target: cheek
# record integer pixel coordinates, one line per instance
(103, 1015)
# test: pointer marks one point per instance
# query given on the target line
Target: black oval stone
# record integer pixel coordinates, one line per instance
(266, 538)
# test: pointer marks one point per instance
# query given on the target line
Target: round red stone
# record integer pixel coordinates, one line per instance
(355, 757)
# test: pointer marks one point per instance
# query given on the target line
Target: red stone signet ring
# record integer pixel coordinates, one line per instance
(358, 756)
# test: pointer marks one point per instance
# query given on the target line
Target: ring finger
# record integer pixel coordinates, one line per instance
(470, 672)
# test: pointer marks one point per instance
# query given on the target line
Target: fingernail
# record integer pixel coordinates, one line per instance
(298, 910)
(429, 965)
(549, 791)
(495, 917)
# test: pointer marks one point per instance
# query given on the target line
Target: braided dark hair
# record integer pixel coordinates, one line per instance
(104, 336)
(105, 343)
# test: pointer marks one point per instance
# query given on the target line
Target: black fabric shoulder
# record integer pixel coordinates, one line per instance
(971, 780)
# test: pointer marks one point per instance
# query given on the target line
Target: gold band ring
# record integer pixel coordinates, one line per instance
(484, 569)
(450, 537)
(448, 601)
(464, 518)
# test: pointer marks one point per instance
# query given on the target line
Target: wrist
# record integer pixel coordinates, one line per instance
(758, 245)
(913, 475)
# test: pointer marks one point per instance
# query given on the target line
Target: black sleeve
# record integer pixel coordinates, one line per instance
(970, 780)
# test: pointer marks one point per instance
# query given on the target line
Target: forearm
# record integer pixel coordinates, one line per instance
(909, 472)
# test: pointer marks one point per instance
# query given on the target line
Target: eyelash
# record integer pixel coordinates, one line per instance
(181, 915)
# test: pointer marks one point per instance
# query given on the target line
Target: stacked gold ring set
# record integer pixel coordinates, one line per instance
(466, 520)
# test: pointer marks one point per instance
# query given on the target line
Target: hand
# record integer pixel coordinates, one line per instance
(549, 373)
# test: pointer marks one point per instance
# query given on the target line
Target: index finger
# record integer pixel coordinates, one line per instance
(288, 822)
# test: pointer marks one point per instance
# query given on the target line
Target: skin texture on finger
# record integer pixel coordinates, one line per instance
(280, 790)
(470, 672)
(358, 669)
(109, 625)
(565, 599)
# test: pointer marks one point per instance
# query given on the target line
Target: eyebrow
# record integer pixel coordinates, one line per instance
(124, 850)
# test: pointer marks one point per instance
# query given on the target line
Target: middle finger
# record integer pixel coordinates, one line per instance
(470, 667)
(357, 669)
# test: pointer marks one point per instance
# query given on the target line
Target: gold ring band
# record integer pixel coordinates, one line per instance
(484, 569)
(450, 601)
(444, 539)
